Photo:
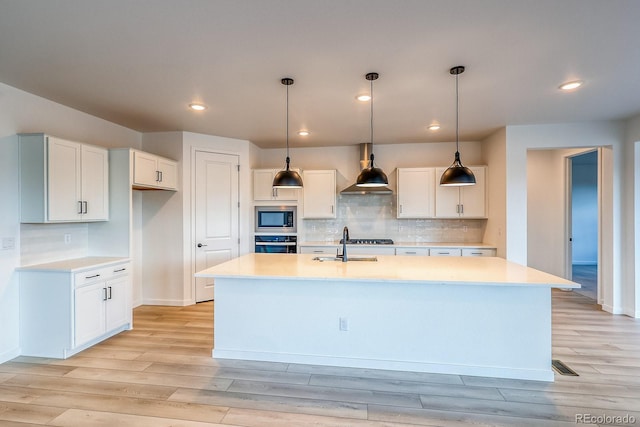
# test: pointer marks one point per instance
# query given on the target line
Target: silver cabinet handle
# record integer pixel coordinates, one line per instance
(119, 270)
(109, 292)
(104, 294)
(400, 208)
(461, 209)
(160, 176)
(79, 206)
(86, 207)
(92, 277)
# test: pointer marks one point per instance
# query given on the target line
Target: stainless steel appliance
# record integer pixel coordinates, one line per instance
(276, 244)
(276, 219)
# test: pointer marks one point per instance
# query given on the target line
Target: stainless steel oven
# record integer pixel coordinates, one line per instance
(275, 219)
(276, 244)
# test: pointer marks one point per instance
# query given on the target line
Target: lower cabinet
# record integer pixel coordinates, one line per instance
(64, 312)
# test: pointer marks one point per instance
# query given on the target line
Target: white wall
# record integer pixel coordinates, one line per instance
(631, 210)
(520, 139)
(494, 153)
(23, 112)
(167, 235)
(584, 209)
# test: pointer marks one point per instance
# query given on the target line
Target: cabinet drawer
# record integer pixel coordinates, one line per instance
(478, 252)
(84, 278)
(445, 252)
(320, 250)
(412, 251)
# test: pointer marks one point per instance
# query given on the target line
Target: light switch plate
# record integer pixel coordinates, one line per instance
(8, 243)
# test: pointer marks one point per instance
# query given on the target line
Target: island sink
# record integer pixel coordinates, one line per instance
(351, 258)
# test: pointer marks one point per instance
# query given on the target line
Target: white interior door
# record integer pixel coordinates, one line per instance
(216, 215)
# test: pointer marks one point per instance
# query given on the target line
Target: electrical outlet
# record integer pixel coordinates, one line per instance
(465, 228)
(344, 324)
(67, 239)
(8, 243)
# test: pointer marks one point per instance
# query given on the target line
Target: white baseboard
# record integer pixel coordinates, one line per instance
(11, 354)
(169, 302)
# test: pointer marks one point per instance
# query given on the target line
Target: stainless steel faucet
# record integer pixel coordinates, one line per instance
(345, 237)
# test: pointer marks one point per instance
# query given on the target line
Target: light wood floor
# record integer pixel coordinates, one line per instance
(162, 374)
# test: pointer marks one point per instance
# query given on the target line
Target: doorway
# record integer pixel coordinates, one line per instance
(583, 221)
(216, 215)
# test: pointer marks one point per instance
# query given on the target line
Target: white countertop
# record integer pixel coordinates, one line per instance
(405, 245)
(74, 265)
(435, 270)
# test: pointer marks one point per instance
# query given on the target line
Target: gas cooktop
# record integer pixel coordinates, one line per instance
(368, 241)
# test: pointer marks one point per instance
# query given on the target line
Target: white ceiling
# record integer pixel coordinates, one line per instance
(139, 63)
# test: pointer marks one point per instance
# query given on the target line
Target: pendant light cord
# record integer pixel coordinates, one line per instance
(457, 113)
(287, 132)
(371, 122)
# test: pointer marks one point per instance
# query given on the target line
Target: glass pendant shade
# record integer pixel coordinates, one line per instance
(457, 174)
(287, 178)
(372, 176)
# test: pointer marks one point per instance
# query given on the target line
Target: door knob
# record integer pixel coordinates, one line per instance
(201, 245)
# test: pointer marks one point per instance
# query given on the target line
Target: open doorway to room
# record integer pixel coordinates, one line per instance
(582, 221)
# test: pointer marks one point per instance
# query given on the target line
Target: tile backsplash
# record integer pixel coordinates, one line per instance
(40, 243)
(374, 217)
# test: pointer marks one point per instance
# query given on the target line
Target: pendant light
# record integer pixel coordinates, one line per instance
(457, 174)
(372, 176)
(287, 178)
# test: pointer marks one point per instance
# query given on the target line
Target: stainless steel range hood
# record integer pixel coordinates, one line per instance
(365, 152)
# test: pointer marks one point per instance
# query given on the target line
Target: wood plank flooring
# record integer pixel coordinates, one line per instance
(162, 374)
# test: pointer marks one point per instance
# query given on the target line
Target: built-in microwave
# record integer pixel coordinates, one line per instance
(276, 219)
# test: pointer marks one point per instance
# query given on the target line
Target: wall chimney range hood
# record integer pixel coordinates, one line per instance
(365, 152)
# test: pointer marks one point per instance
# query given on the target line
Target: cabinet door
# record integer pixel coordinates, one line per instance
(118, 306)
(64, 178)
(95, 183)
(473, 197)
(416, 197)
(447, 198)
(318, 250)
(168, 173)
(319, 200)
(445, 252)
(262, 185)
(145, 170)
(89, 312)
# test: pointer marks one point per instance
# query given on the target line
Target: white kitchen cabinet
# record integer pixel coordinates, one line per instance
(62, 181)
(369, 250)
(319, 250)
(263, 187)
(319, 194)
(154, 172)
(445, 252)
(462, 202)
(416, 198)
(412, 251)
(65, 309)
(478, 252)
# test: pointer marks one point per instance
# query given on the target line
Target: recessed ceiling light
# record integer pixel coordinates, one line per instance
(363, 98)
(303, 132)
(434, 126)
(571, 85)
(197, 107)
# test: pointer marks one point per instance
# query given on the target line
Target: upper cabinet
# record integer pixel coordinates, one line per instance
(319, 194)
(154, 172)
(416, 193)
(62, 181)
(264, 191)
(462, 202)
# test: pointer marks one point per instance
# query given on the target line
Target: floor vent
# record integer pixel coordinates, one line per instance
(563, 369)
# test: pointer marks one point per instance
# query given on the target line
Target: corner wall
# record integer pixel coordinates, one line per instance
(23, 112)
(520, 139)
(494, 153)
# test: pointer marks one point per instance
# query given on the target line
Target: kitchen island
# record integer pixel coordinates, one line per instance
(480, 316)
